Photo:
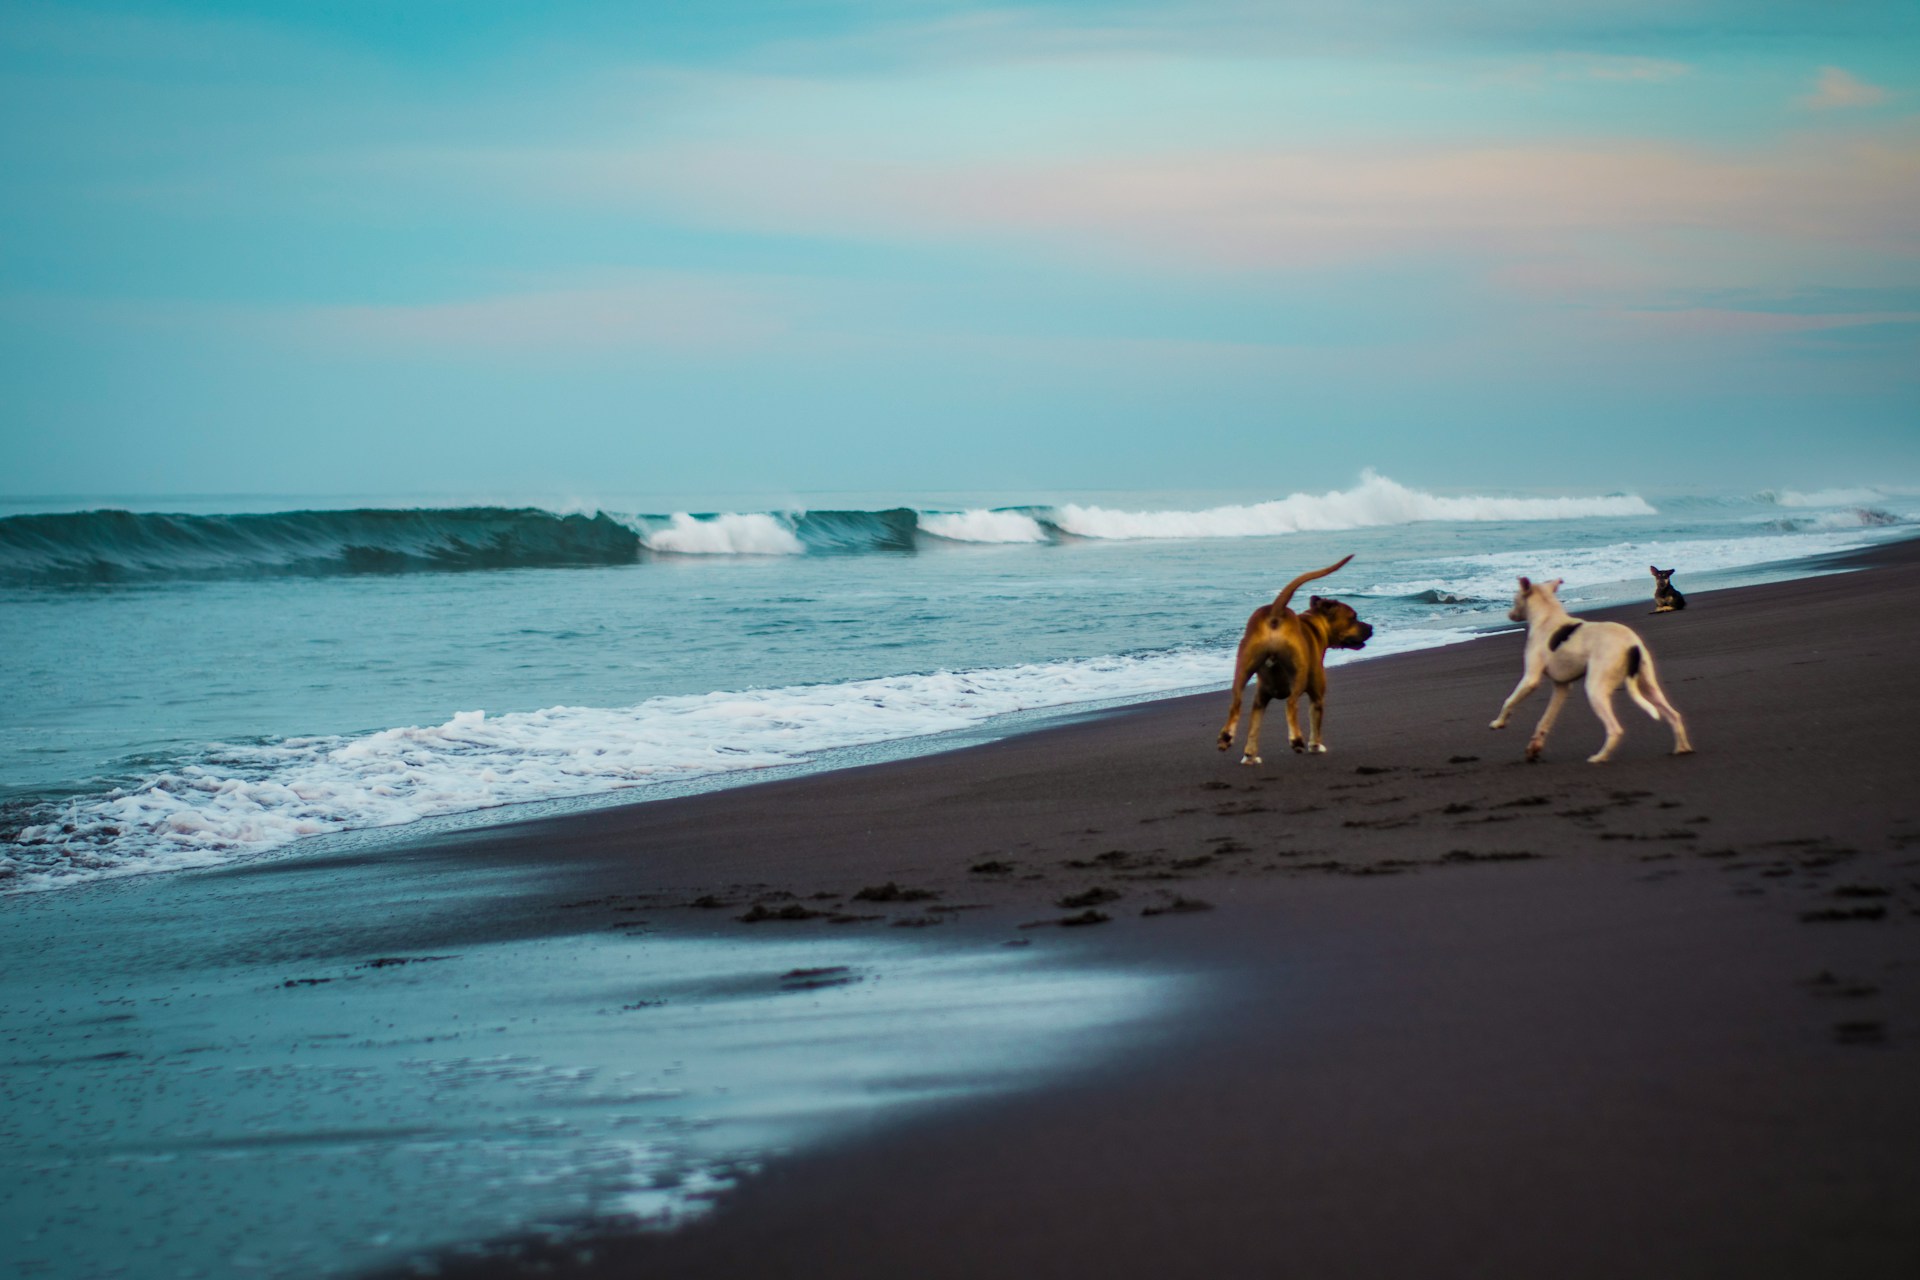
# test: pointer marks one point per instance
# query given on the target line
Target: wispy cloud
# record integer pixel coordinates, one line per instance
(1837, 88)
(623, 313)
(1272, 208)
(1600, 67)
(673, 314)
(1742, 323)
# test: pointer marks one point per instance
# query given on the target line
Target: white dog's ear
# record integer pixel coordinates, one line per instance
(1526, 584)
(1554, 586)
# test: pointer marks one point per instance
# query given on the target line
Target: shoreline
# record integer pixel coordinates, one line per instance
(1466, 1016)
(357, 794)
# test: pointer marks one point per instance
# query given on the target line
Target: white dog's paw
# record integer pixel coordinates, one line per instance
(1317, 748)
(1250, 760)
(1498, 724)
(1598, 757)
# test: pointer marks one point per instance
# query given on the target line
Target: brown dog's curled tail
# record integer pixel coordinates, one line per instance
(1286, 592)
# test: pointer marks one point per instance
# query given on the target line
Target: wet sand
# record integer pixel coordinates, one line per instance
(1457, 1014)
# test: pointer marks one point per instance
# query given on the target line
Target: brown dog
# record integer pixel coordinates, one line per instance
(1288, 651)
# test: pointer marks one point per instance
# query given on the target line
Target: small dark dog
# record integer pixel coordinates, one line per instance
(1665, 598)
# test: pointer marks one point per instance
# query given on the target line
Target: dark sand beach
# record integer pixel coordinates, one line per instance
(1439, 1011)
(1461, 1015)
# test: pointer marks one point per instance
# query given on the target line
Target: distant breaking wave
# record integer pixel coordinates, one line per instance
(122, 546)
(1375, 501)
(1858, 497)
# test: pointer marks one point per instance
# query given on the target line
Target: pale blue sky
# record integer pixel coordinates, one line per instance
(488, 248)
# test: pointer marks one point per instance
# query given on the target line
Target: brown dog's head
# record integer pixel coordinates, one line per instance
(1344, 628)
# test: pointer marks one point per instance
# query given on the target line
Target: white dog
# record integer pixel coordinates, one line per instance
(1563, 648)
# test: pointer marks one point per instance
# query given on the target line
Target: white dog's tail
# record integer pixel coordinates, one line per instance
(1639, 672)
(1286, 592)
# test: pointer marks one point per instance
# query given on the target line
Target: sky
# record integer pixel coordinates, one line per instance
(476, 247)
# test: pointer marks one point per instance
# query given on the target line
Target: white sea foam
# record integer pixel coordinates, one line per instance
(733, 534)
(1376, 500)
(1845, 518)
(1827, 497)
(241, 800)
(982, 526)
(1491, 577)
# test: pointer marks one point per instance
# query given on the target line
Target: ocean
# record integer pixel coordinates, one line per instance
(188, 683)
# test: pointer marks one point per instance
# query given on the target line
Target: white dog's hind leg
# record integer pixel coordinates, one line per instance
(1600, 695)
(1639, 697)
(1538, 743)
(1651, 683)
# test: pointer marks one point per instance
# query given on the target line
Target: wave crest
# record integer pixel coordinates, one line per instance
(1376, 500)
(722, 535)
(1823, 497)
(983, 526)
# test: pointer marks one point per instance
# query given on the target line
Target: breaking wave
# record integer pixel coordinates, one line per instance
(1823, 497)
(1375, 501)
(125, 546)
(984, 526)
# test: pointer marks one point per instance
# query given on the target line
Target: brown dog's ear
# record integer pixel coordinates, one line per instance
(1655, 572)
(1313, 602)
